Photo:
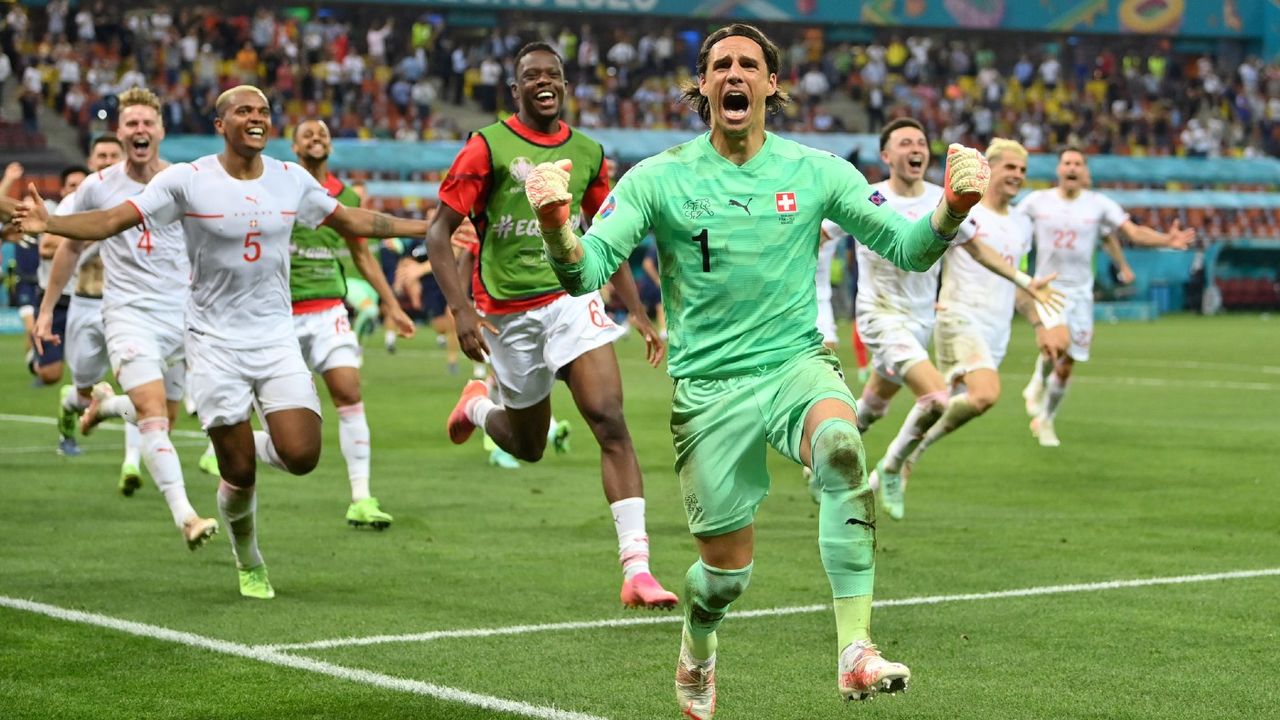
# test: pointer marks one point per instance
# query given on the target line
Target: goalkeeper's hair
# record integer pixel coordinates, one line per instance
(898, 124)
(999, 146)
(701, 103)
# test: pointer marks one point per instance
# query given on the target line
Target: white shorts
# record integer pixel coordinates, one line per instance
(964, 345)
(1078, 317)
(531, 347)
(326, 339)
(225, 382)
(145, 347)
(86, 342)
(897, 343)
(827, 322)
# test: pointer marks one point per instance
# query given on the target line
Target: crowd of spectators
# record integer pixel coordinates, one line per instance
(383, 72)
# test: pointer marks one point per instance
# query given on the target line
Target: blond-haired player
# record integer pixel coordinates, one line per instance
(981, 285)
(144, 290)
(1070, 221)
(237, 210)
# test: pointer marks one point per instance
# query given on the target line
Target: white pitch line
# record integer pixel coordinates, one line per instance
(1163, 382)
(1192, 365)
(771, 612)
(272, 657)
(50, 449)
(39, 420)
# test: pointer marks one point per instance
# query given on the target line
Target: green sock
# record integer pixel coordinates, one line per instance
(846, 525)
(853, 620)
(708, 592)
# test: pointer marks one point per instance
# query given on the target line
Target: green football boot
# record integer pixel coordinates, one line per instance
(130, 478)
(66, 418)
(560, 436)
(254, 583)
(367, 512)
(503, 459)
(209, 463)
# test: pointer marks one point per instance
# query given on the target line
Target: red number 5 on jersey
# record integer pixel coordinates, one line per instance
(252, 245)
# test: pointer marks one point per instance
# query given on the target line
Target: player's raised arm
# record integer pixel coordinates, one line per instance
(586, 264)
(1177, 237)
(359, 222)
(910, 246)
(34, 219)
(1039, 289)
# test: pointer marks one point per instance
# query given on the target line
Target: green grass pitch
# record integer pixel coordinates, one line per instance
(1168, 468)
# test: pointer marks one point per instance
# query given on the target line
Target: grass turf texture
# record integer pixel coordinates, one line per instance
(1168, 467)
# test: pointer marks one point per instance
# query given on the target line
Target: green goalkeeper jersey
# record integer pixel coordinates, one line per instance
(738, 247)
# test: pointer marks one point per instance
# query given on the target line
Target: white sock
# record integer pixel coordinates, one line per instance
(923, 415)
(633, 543)
(132, 444)
(478, 410)
(1039, 375)
(551, 437)
(266, 450)
(162, 462)
(75, 402)
(210, 451)
(389, 338)
(1057, 390)
(239, 509)
(871, 407)
(959, 411)
(118, 406)
(353, 436)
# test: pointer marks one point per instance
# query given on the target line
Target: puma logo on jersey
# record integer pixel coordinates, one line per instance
(746, 208)
(251, 199)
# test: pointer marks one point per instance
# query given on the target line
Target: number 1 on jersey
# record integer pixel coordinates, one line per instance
(701, 239)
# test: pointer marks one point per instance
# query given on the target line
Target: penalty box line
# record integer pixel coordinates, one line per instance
(771, 612)
(281, 659)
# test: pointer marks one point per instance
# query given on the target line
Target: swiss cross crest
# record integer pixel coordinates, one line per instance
(785, 202)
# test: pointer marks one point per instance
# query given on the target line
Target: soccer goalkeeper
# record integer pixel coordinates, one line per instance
(736, 214)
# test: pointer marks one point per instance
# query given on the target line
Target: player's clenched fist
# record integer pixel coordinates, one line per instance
(547, 187)
(966, 180)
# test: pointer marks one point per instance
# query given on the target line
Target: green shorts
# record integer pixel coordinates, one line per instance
(721, 426)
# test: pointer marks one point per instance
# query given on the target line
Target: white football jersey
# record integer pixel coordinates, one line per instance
(968, 288)
(55, 207)
(237, 235)
(827, 255)
(66, 206)
(145, 267)
(1067, 233)
(885, 288)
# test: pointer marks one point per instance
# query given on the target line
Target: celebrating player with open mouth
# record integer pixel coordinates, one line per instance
(237, 210)
(748, 361)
